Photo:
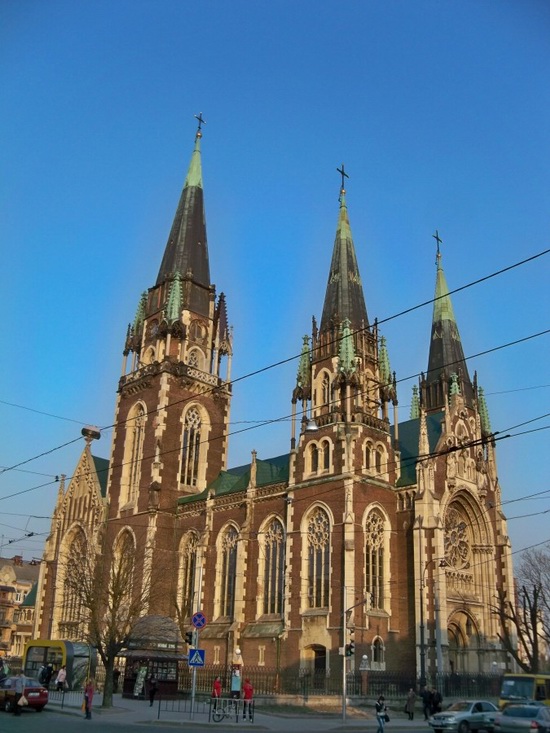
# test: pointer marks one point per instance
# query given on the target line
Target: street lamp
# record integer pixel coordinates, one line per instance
(442, 563)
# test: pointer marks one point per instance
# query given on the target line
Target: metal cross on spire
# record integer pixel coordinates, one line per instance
(343, 173)
(202, 122)
(439, 241)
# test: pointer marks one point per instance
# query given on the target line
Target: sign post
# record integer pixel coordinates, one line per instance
(196, 656)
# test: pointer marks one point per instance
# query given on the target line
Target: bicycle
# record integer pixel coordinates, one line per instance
(225, 708)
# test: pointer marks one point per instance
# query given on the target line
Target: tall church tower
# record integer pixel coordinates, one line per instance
(172, 411)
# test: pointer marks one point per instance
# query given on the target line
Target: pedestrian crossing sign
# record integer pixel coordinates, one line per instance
(196, 657)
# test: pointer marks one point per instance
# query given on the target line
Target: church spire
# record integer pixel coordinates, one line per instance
(344, 297)
(446, 363)
(186, 251)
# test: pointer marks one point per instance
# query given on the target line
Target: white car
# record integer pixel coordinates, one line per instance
(465, 716)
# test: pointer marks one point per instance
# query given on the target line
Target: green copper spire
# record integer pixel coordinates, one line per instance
(140, 313)
(186, 252)
(446, 354)
(173, 307)
(346, 355)
(303, 378)
(384, 362)
(455, 386)
(415, 404)
(483, 412)
(344, 297)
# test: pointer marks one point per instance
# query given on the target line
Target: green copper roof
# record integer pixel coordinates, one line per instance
(30, 598)
(102, 470)
(344, 294)
(455, 386)
(346, 353)
(271, 471)
(409, 433)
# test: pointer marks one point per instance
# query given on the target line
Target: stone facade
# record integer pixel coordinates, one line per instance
(383, 533)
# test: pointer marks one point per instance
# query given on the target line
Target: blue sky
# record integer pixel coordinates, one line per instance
(439, 111)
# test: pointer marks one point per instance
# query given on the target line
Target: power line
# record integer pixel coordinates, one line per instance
(293, 358)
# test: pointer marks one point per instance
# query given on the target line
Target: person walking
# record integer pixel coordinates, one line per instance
(216, 692)
(381, 712)
(88, 698)
(248, 694)
(153, 689)
(409, 705)
(61, 678)
(426, 696)
(19, 687)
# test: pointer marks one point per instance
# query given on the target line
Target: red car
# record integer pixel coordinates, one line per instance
(36, 694)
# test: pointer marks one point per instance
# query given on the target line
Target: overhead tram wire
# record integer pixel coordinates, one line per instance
(285, 417)
(287, 360)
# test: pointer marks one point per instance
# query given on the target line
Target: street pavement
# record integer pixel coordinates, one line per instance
(139, 712)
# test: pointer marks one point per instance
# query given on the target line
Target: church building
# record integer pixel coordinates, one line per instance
(381, 537)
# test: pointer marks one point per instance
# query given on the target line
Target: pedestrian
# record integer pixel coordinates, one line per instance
(409, 705)
(248, 694)
(381, 713)
(61, 679)
(19, 688)
(426, 702)
(88, 698)
(216, 692)
(116, 676)
(436, 701)
(153, 689)
(48, 676)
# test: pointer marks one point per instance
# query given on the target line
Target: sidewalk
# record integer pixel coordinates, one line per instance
(139, 712)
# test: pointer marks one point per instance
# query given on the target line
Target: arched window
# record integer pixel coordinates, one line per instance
(119, 609)
(191, 448)
(378, 653)
(368, 456)
(325, 387)
(274, 568)
(228, 572)
(193, 358)
(374, 558)
(325, 447)
(188, 575)
(134, 449)
(73, 615)
(378, 460)
(314, 457)
(318, 557)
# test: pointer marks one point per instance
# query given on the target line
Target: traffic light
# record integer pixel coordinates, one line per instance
(348, 650)
(189, 638)
(351, 647)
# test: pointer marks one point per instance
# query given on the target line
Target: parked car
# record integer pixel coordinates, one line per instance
(34, 691)
(464, 716)
(523, 718)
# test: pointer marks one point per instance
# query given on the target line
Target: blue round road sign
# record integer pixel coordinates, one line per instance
(199, 620)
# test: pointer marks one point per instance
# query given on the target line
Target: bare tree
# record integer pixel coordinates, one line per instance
(108, 597)
(525, 619)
